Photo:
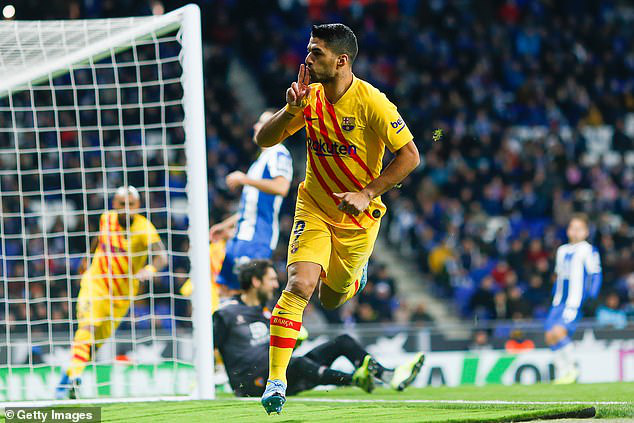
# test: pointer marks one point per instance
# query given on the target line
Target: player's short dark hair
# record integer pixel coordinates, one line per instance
(582, 217)
(255, 268)
(338, 37)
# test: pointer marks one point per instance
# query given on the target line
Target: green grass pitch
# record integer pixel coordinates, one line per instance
(464, 404)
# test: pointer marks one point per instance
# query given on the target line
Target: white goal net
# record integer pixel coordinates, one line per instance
(87, 106)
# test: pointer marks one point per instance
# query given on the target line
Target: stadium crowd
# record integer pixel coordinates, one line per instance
(486, 210)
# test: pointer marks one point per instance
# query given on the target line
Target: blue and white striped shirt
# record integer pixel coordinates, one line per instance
(578, 271)
(258, 220)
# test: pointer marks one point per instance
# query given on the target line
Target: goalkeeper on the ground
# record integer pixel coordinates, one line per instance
(241, 335)
(120, 261)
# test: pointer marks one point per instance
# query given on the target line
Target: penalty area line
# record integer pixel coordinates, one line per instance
(429, 401)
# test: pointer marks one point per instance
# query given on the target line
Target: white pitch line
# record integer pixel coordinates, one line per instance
(99, 401)
(423, 401)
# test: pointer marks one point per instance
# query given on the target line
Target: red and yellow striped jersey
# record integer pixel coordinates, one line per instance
(345, 145)
(120, 254)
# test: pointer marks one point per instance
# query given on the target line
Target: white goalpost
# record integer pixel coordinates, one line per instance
(87, 106)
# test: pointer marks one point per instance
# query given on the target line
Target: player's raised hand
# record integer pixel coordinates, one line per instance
(299, 90)
(353, 202)
(215, 232)
(220, 231)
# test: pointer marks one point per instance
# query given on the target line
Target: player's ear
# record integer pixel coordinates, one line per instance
(342, 60)
(255, 282)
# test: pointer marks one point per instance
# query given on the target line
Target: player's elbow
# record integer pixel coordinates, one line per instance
(264, 141)
(260, 140)
(415, 160)
(284, 188)
(414, 154)
(410, 155)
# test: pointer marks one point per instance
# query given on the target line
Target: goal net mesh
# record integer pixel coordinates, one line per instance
(90, 109)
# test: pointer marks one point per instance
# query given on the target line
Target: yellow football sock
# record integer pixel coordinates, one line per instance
(286, 322)
(80, 352)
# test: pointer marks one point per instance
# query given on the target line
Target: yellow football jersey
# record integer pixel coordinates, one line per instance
(217, 251)
(345, 145)
(120, 253)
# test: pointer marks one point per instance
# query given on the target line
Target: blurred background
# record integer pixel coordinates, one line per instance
(536, 100)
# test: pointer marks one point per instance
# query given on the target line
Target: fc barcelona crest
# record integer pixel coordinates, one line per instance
(347, 124)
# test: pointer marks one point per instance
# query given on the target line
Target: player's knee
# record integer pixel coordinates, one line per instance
(344, 339)
(330, 299)
(555, 335)
(330, 302)
(303, 278)
(559, 333)
(300, 286)
(548, 337)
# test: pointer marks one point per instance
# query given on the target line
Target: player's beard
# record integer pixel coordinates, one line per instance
(322, 79)
(264, 297)
(124, 217)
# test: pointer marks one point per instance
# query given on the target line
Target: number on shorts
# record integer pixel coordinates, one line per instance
(300, 225)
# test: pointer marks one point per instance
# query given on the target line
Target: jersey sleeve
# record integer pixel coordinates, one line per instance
(281, 164)
(295, 124)
(592, 266)
(592, 262)
(385, 121)
(220, 330)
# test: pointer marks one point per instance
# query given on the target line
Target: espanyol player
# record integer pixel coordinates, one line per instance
(257, 222)
(578, 270)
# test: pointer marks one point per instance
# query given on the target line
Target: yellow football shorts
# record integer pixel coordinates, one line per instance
(96, 309)
(341, 253)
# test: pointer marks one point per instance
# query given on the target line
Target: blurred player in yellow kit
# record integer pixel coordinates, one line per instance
(348, 125)
(218, 236)
(252, 232)
(119, 263)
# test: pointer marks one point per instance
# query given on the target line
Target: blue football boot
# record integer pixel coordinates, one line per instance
(67, 388)
(274, 396)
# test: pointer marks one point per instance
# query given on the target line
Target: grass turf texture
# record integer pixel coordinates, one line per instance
(302, 409)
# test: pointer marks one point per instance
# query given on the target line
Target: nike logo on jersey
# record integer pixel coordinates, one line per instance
(283, 312)
(311, 118)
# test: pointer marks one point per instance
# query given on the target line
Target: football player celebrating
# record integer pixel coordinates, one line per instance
(348, 124)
